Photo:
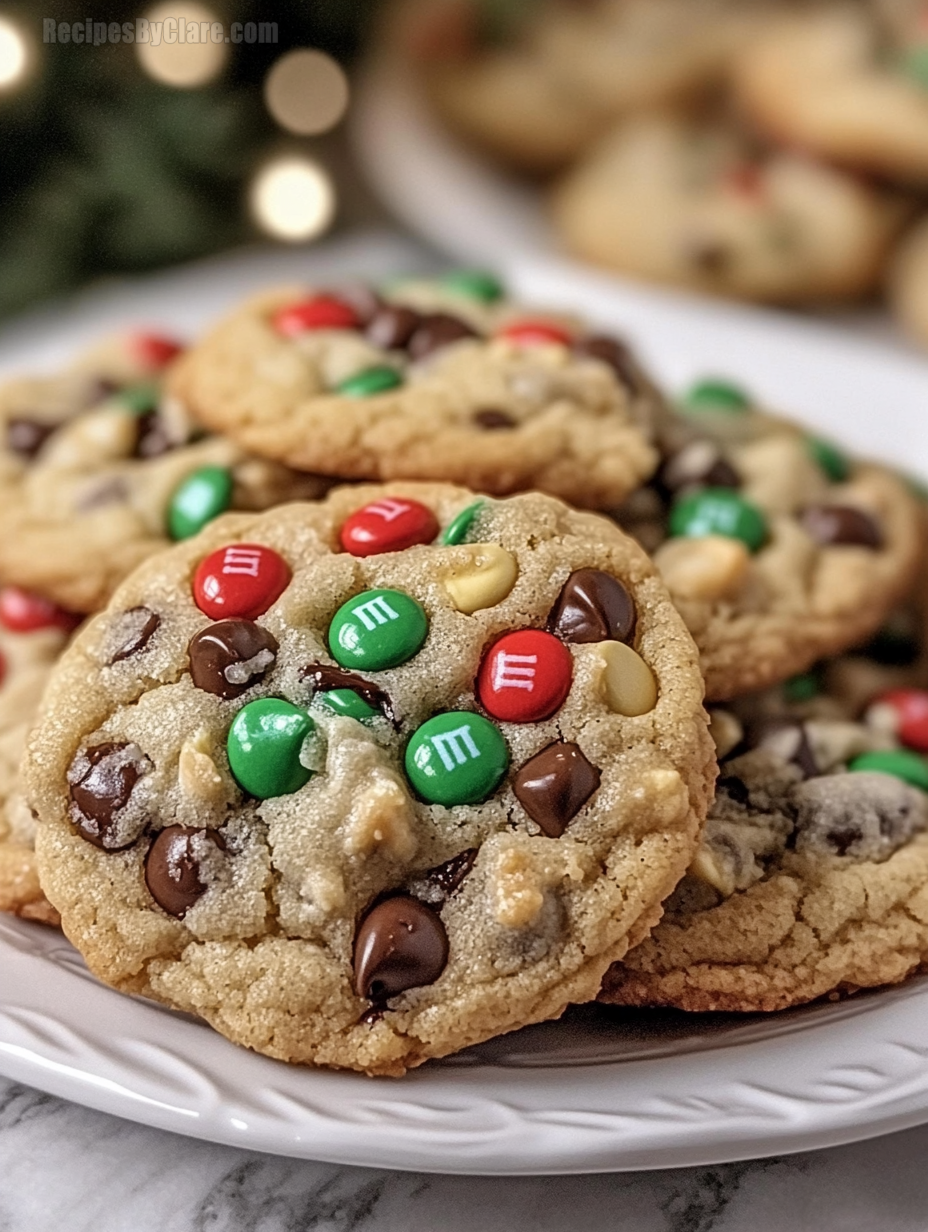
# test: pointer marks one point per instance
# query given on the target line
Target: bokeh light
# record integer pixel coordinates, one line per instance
(184, 65)
(306, 92)
(14, 55)
(293, 199)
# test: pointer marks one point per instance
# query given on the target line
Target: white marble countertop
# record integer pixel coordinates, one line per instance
(65, 1167)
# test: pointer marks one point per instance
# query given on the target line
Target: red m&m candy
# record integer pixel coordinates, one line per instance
(320, 312)
(535, 333)
(525, 677)
(243, 579)
(905, 713)
(21, 611)
(388, 525)
(155, 350)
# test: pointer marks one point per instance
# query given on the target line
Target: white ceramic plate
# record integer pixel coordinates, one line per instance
(601, 1090)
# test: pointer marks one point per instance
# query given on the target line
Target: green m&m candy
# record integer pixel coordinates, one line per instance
(801, 688)
(141, 398)
(915, 64)
(265, 744)
(715, 395)
(456, 758)
(201, 497)
(719, 511)
(901, 763)
(475, 284)
(458, 528)
(829, 458)
(377, 629)
(347, 703)
(377, 380)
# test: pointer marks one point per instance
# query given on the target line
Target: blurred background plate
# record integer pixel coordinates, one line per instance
(601, 1090)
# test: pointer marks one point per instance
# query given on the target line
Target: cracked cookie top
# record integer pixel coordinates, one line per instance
(98, 469)
(364, 782)
(428, 381)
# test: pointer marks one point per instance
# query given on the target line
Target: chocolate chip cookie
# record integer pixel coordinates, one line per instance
(703, 205)
(844, 81)
(33, 633)
(98, 469)
(777, 547)
(445, 383)
(812, 873)
(367, 781)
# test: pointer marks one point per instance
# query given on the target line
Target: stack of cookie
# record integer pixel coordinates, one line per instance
(774, 151)
(363, 778)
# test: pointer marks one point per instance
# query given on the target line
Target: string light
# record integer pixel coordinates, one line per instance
(306, 92)
(293, 199)
(14, 55)
(191, 59)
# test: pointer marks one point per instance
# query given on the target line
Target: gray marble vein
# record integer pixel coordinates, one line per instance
(64, 1167)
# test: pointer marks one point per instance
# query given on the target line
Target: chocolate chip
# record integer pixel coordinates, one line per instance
(437, 330)
(492, 420)
(174, 867)
(734, 788)
(698, 464)
(101, 780)
(230, 656)
(708, 256)
(616, 354)
(152, 439)
(132, 630)
(445, 878)
(593, 607)
(27, 436)
(401, 943)
(325, 678)
(786, 739)
(392, 326)
(833, 525)
(554, 785)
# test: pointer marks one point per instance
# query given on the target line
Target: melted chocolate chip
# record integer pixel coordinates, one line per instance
(593, 607)
(786, 739)
(27, 436)
(445, 878)
(134, 629)
(554, 785)
(152, 440)
(493, 420)
(616, 354)
(101, 780)
(325, 678)
(734, 788)
(401, 943)
(392, 326)
(698, 464)
(435, 331)
(833, 525)
(227, 658)
(173, 867)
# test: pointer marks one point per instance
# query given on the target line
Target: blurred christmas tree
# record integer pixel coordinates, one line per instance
(106, 170)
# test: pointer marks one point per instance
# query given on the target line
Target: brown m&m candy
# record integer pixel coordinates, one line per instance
(401, 943)
(593, 607)
(101, 782)
(554, 785)
(174, 870)
(227, 658)
(842, 525)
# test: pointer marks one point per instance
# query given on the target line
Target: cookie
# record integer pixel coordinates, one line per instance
(364, 782)
(812, 876)
(98, 470)
(33, 633)
(471, 390)
(778, 548)
(907, 283)
(701, 205)
(537, 99)
(846, 82)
